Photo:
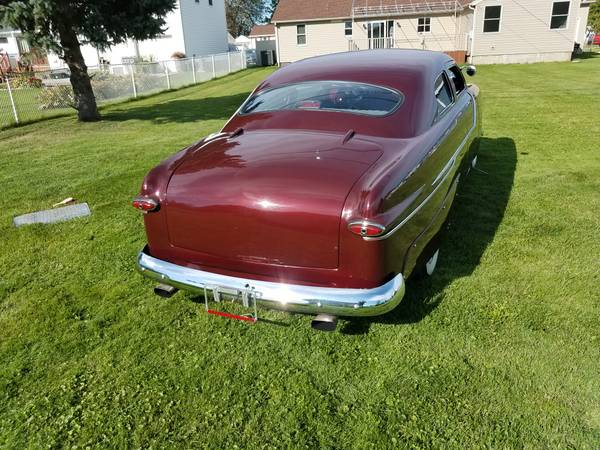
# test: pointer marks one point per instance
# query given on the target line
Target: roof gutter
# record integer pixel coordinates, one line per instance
(320, 19)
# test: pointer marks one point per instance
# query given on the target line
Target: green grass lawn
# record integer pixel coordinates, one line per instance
(27, 105)
(501, 349)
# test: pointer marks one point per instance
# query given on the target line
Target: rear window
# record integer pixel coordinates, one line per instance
(343, 96)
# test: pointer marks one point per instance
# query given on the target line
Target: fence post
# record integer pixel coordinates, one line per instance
(242, 59)
(133, 81)
(194, 68)
(228, 62)
(213, 66)
(168, 77)
(12, 101)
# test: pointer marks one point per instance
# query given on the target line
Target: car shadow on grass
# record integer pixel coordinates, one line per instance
(181, 110)
(475, 216)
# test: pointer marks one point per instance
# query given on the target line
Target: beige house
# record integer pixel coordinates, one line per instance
(478, 31)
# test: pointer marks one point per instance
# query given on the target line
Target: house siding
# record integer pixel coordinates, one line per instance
(525, 35)
(192, 28)
(321, 38)
(204, 27)
(444, 35)
(447, 34)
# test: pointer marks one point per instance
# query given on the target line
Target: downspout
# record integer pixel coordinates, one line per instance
(472, 50)
(276, 46)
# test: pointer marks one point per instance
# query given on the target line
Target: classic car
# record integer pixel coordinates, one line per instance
(323, 193)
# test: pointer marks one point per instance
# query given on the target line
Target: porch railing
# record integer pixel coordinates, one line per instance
(372, 43)
(426, 42)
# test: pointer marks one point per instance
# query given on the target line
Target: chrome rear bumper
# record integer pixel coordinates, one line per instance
(287, 297)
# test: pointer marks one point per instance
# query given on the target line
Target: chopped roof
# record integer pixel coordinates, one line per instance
(392, 67)
(294, 10)
(262, 30)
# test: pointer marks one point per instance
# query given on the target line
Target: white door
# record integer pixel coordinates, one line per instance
(376, 32)
(381, 34)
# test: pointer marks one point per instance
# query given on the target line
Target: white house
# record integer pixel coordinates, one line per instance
(195, 27)
(480, 31)
(12, 46)
(244, 42)
(11, 43)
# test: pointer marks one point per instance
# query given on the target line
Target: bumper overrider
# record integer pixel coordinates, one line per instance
(282, 296)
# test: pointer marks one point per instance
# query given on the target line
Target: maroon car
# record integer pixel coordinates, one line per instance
(325, 190)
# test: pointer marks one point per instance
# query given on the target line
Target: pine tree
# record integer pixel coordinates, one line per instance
(63, 26)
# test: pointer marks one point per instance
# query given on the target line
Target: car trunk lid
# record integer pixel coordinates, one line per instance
(268, 197)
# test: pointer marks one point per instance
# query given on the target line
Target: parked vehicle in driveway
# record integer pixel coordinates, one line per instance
(323, 193)
(57, 78)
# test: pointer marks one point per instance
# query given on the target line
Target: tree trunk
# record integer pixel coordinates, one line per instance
(85, 101)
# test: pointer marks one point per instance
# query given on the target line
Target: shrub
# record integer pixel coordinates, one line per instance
(107, 86)
(26, 81)
(178, 55)
(56, 97)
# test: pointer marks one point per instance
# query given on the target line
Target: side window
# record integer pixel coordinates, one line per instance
(457, 79)
(560, 15)
(491, 19)
(301, 34)
(424, 25)
(348, 28)
(443, 95)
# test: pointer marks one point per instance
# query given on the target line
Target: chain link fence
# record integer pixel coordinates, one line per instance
(32, 96)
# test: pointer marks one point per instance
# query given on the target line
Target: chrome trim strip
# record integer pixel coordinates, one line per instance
(443, 176)
(445, 170)
(283, 296)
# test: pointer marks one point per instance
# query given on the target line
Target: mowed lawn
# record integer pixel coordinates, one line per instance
(27, 105)
(500, 349)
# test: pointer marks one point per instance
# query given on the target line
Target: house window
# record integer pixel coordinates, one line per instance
(424, 25)
(560, 15)
(491, 19)
(301, 34)
(390, 29)
(210, 2)
(348, 28)
(3, 40)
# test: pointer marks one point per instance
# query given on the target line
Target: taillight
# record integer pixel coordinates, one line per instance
(366, 229)
(145, 204)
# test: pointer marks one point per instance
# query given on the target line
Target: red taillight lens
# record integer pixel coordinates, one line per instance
(145, 204)
(366, 229)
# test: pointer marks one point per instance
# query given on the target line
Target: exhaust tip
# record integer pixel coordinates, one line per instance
(165, 291)
(324, 322)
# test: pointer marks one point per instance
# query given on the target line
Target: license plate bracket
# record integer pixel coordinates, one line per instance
(246, 297)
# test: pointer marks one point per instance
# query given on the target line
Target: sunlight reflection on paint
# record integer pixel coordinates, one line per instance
(267, 204)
